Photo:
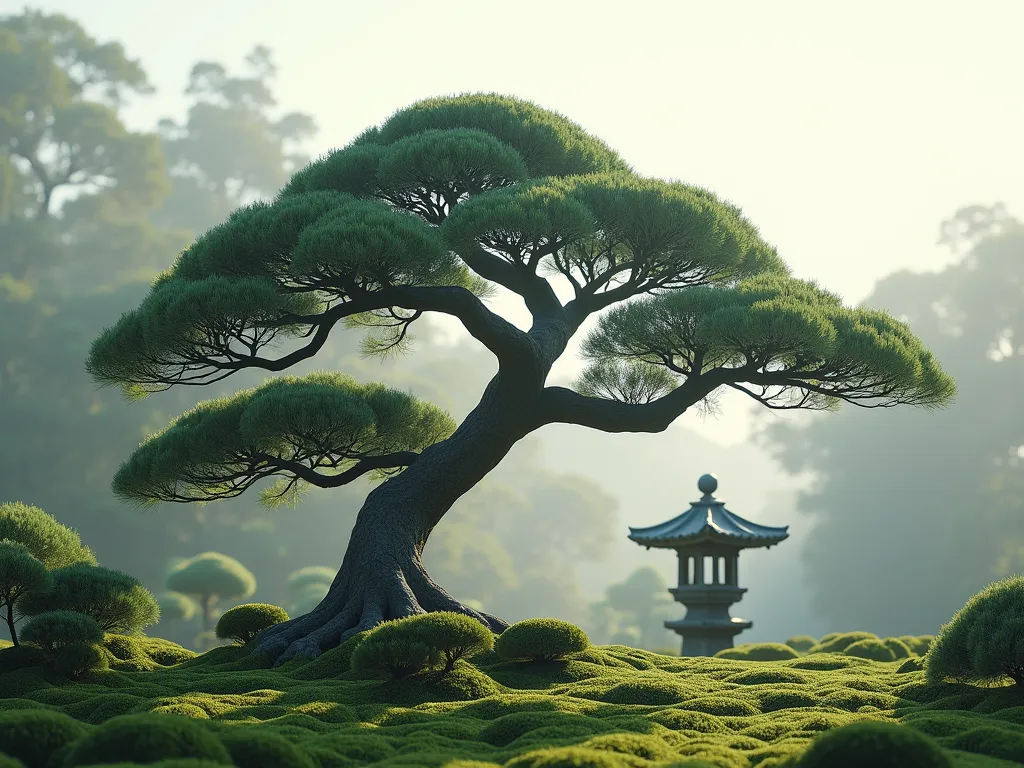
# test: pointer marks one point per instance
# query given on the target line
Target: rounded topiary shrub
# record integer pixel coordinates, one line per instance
(116, 600)
(147, 738)
(392, 648)
(982, 642)
(540, 640)
(59, 629)
(33, 736)
(454, 635)
(75, 660)
(801, 643)
(875, 650)
(244, 622)
(875, 744)
(253, 748)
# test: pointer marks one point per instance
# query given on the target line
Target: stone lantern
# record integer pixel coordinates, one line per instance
(708, 539)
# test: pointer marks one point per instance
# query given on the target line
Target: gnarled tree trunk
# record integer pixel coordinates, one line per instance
(382, 576)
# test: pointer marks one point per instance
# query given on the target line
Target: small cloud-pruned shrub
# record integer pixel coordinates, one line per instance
(873, 650)
(20, 574)
(256, 748)
(147, 738)
(75, 660)
(244, 622)
(837, 642)
(540, 640)
(58, 629)
(455, 635)
(801, 643)
(899, 648)
(116, 600)
(759, 652)
(878, 744)
(982, 642)
(391, 648)
(33, 736)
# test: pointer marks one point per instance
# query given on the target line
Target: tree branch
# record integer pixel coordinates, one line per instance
(537, 292)
(362, 467)
(559, 405)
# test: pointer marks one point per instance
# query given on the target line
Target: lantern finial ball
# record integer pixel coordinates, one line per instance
(707, 484)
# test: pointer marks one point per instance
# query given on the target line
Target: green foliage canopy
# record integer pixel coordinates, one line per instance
(20, 573)
(51, 542)
(983, 643)
(324, 428)
(58, 629)
(212, 574)
(116, 600)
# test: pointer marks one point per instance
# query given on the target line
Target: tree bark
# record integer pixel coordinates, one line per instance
(382, 576)
(10, 621)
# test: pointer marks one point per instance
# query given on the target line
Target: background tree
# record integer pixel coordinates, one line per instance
(20, 574)
(48, 540)
(425, 214)
(952, 481)
(210, 577)
(642, 603)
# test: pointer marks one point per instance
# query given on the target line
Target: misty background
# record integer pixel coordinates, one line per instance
(879, 151)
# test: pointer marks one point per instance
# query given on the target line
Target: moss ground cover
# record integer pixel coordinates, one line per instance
(607, 706)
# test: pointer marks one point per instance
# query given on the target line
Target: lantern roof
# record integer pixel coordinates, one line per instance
(707, 520)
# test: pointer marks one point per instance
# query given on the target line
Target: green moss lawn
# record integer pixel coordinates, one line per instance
(608, 706)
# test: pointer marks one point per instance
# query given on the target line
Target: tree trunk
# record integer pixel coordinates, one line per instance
(10, 621)
(206, 603)
(382, 576)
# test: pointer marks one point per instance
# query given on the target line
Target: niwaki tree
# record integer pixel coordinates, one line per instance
(429, 212)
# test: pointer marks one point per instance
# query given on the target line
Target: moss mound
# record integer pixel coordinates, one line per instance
(146, 738)
(880, 745)
(34, 735)
(254, 748)
(759, 652)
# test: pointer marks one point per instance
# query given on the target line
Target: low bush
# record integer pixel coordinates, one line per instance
(991, 741)
(117, 601)
(455, 635)
(244, 622)
(75, 660)
(540, 640)
(759, 652)
(913, 664)
(391, 648)
(59, 629)
(982, 642)
(147, 738)
(33, 736)
(801, 643)
(875, 744)
(918, 644)
(875, 650)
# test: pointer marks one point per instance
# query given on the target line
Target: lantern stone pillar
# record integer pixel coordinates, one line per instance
(707, 539)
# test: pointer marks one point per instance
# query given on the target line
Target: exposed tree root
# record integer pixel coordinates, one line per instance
(359, 600)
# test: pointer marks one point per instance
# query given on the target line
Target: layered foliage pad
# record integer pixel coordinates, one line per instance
(426, 213)
(116, 600)
(791, 344)
(313, 428)
(606, 707)
(984, 642)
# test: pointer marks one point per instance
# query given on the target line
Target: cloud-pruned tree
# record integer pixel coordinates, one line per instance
(429, 212)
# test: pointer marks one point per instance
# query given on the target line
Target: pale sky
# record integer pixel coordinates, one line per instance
(845, 131)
